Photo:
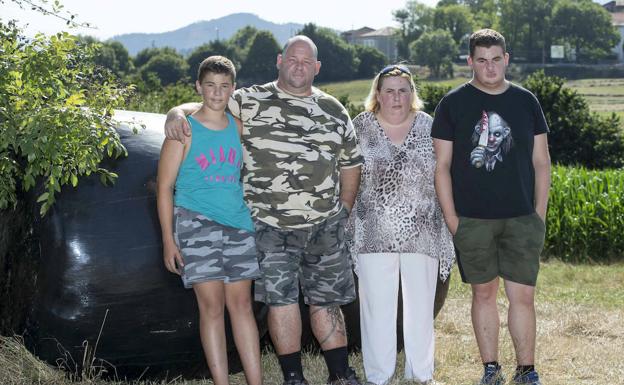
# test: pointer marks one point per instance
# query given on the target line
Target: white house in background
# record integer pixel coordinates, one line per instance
(383, 39)
(616, 8)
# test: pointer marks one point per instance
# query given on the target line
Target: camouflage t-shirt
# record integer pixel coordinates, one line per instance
(293, 150)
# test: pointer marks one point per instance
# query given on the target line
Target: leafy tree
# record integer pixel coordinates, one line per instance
(215, 47)
(526, 25)
(241, 41)
(339, 59)
(144, 55)
(414, 20)
(111, 55)
(586, 26)
(56, 112)
(169, 68)
(577, 136)
(485, 13)
(371, 61)
(435, 49)
(123, 63)
(259, 67)
(457, 19)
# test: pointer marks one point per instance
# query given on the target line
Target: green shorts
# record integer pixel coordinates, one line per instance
(509, 248)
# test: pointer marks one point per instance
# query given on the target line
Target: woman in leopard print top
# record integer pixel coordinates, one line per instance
(397, 228)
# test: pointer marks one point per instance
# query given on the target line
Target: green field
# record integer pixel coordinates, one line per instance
(603, 95)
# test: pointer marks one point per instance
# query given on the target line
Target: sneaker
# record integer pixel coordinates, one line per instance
(492, 375)
(528, 378)
(295, 378)
(349, 379)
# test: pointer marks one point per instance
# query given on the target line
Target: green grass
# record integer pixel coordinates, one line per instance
(593, 285)
(604, 96)
(356, 89)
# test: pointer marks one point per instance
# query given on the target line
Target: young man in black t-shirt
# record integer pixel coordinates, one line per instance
(492, 179)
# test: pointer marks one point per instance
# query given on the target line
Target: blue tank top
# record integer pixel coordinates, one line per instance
(209, 181)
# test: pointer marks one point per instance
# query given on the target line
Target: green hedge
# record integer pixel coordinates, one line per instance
(585, 215)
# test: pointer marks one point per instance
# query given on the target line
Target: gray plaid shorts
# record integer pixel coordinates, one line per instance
(316, 257)
(212, 251)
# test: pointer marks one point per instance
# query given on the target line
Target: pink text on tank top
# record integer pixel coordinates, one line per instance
(205, 162)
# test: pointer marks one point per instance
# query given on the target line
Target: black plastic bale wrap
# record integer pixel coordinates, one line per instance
(101, 269)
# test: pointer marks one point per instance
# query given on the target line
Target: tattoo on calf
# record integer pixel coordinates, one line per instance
(334, 320)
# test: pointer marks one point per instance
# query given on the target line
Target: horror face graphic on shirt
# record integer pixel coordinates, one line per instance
(492, 138)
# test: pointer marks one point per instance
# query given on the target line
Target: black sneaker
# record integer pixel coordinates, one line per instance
(530, 378)
(294, 378)
(492, 375)
(350, 378)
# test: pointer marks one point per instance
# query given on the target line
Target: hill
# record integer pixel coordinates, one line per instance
(196, 34)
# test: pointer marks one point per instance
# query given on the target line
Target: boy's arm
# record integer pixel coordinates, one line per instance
(171, 156)
(443, 184)
(176, 125)
(541, 164)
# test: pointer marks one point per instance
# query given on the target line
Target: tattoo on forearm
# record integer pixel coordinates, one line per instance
(334, 321)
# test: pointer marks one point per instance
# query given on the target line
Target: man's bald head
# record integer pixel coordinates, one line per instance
(301, 38)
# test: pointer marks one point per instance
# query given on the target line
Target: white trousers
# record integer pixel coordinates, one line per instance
(378, 290)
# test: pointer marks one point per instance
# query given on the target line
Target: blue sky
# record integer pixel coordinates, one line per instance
(114, 17)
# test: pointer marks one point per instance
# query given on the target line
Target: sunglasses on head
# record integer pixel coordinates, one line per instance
(393, 67)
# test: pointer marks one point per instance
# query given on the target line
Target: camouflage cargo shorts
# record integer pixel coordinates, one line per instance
(316, 257)
(212, 251)
(509, 248)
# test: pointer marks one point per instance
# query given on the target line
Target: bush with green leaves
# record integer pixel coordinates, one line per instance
(585, 215)
(577, 136)
(56, 110)
(162, 99)
(431, 95)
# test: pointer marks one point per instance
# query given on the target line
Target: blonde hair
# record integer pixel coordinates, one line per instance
(372, 104)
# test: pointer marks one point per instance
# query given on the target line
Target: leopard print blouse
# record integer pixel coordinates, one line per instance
(396, 209)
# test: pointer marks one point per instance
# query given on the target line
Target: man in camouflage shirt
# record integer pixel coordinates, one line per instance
(302, 172)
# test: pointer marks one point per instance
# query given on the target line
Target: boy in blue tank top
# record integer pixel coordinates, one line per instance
(207, 231)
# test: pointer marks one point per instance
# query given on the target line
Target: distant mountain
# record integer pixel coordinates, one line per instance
(196, 34)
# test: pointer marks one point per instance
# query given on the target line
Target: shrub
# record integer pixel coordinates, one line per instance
(161, 100)
(431, 96)
(585, 215)
(56, 111)
(577, 136)
(352, 109)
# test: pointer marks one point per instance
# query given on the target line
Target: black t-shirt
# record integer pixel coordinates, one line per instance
(492, 169)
